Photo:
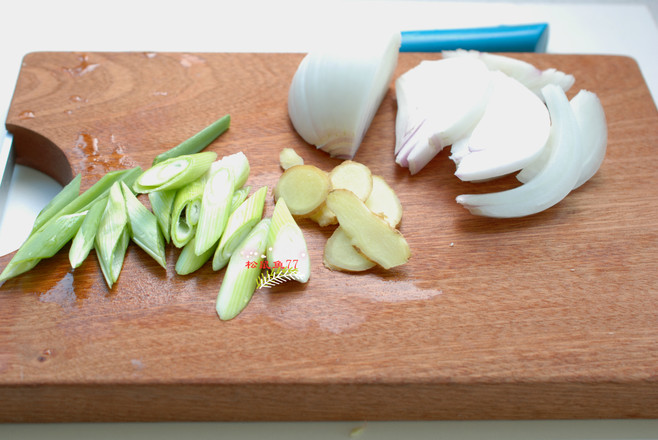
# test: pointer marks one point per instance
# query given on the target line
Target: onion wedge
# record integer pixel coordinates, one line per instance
(555, 180)
(337, 89)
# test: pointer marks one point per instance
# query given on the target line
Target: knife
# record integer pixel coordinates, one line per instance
(7, 156)
(510, 38)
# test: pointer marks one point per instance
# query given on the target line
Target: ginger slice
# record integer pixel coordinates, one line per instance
(324, 216)
(384, 201)
(304, 188)
(354, 176)
(369, 233)
(289, 158)
(350, 175)
(339, 254)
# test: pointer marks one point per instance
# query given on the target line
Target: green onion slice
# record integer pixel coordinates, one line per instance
(144, 229)
(188, 261)
(84, 238)
(286, 244)
(242, 273)
(239, 223)
(215, 208)
(238, 164)
(112, 237)
(51, 238)
(185, 212)
(63, 198)
(162, 203)
(175, 173)
(197, 142)
(239, 196)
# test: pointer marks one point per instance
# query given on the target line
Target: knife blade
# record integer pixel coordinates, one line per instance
(7, 158)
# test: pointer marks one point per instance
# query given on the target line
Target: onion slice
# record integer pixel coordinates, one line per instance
(593, 129)
(555, 180)
(337, 90)
(439, 102)
(526, 73)
(510, 135)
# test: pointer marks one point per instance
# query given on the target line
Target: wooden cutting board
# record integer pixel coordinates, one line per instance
(550, 316)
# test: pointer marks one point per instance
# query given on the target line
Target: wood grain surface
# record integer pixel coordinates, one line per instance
(549, 316)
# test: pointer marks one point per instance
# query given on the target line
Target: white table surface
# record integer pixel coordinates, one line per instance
(587, 27)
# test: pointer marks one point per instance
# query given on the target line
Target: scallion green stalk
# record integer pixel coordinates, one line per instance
(239, 223)
(55, 233)
(144, 230)
(86, 235)
(63, 198)
(162, 203)
(188, 261)
(175, 173)
(112, 268)
(112, 237)
(239, 196)
(242, 273)
(52, 237)
(238, 164)
(197, 142)
(185, 212)
(286, 244)
(214, 210)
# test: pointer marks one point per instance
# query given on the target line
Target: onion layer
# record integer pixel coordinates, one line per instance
(337, 90)
(439, 102)
(553, 182)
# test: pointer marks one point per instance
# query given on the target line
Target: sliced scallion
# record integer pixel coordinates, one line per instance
(188, 261)
(84, 238)
(51, 238)
(185, 212)
(63, 198)
(214, 211)
(197, 142)
(162, 203)
(144, 230)
(239, 196)
(112, 268)
(238, 164)
(175, 173)
(242, 273)
(239, 223)
(286, 244)
(112, 237)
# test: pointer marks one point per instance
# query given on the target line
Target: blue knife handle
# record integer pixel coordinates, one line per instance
(515, 38)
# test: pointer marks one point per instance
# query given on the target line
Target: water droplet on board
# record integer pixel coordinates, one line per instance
(77, 98)
(87, 144)
(150, 54)
(188, 60)
(63, 293)
(83, 68)
(27, 114)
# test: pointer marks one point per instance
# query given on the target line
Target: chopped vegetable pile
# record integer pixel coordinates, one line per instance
(199, 204)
